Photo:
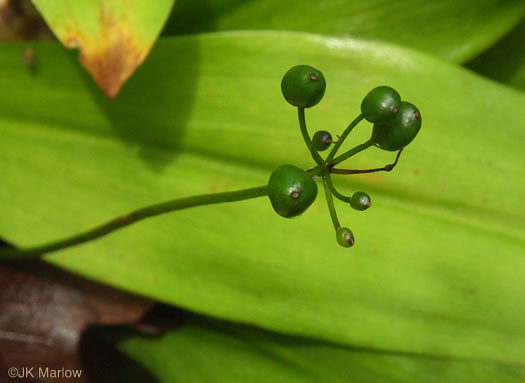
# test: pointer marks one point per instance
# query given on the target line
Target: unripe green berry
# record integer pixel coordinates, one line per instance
(400, 130)
(345, 237)
(380, 104)
(321, 140)
(360, 201)
(303, 86)
(291, 190)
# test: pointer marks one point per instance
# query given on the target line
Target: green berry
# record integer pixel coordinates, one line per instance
(291, 190)
(380, 104)
(360, 201)
(400, 130)
(303, 86)
(345, 237)
(321, 140)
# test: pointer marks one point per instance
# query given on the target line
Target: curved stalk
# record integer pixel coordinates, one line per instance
(339, 142)
(330, 202)
(352, 152)
(302, 123)
(135, 216)
(334, 190)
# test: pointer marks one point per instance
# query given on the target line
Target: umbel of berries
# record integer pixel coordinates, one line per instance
(292, 190)
(395, 124)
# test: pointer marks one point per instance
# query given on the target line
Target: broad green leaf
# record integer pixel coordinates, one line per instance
(211, 351)
(438, 266)
(456, 30)
(113, 37)
(505, 61)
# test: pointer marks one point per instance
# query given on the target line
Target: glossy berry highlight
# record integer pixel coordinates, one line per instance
(380, 104)
(345, 237)
(291, 190)
(321, 140)
(303, 86)
(360, 201)
(400, 130)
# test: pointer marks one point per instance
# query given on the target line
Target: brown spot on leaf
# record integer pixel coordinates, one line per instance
(72, 44)
(111, 56)
(112, 65)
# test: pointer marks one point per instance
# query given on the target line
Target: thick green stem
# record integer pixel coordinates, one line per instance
(341, 139)
(352, 152)
(302, 123)
(330, 202)
(134, 216)
(334, 190)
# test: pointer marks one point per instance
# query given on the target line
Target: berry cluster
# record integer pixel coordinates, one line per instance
(396, 123)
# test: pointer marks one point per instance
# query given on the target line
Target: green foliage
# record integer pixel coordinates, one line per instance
(208, 351)
(505, 61)
(439, 268)
(434, 290)
(451, 29)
